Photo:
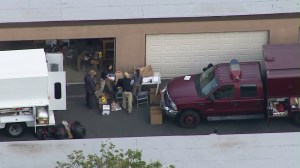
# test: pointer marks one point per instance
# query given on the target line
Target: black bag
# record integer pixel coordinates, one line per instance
(44, 133)
(60, 132)
(77, 130)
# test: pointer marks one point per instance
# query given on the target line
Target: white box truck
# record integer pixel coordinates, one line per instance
(32, 86)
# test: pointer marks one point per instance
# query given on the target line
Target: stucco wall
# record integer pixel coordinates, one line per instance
(280, 31)
(130, 38)
(71, 10)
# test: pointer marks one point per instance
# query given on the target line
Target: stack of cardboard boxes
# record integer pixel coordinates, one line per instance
(155, 111)
(154, 98)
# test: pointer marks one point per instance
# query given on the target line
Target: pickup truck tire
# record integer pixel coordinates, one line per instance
(189, 119)
(297, 118)
(15, 129)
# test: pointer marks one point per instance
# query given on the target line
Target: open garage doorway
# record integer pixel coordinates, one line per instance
(80, 55)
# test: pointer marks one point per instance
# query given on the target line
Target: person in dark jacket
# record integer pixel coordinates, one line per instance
(127, 94)
(90, 90)
(105, 79)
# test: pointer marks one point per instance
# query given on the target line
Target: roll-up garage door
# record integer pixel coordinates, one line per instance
(181, 54)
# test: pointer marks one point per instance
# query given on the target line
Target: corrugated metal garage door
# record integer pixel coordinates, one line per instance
(181, 54)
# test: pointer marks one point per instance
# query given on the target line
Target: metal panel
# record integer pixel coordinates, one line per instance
(23, 63)
(23, 92)
(182, 54)
(57, 90)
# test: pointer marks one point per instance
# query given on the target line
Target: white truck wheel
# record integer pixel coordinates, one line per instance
(15, 129)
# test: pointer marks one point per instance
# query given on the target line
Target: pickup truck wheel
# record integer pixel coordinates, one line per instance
(297, 118)
(189, 119)
(15, 129)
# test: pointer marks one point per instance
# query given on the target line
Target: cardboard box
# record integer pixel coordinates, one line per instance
(152, 90)
(154, 99)
(95, 62)
(155, 115)
(105, 109)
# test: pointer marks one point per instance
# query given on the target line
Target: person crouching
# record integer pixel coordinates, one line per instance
(127, 94)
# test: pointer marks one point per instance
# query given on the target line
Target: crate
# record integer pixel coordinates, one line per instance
(155, 115)
(42, 121)
(154, 98)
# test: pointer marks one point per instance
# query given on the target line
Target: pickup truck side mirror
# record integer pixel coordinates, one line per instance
(212, 98)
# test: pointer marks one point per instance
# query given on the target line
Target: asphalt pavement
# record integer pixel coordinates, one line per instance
(137, 124)
(240, 143)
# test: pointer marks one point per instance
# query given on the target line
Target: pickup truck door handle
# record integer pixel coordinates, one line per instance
(234, 103)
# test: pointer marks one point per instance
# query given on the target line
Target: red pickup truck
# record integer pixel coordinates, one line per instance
(238, 90)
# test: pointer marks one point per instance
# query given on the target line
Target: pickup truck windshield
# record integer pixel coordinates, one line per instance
(208, 81)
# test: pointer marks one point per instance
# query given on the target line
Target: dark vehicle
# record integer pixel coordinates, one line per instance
(238, 90)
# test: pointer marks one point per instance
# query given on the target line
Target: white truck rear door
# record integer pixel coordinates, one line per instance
(57, 90)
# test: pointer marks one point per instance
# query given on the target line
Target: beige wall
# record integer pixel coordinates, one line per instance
(130, 37)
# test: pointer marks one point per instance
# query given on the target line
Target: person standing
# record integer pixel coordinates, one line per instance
(127, 94)
(137, 82)
(90, 89)
(105, 79)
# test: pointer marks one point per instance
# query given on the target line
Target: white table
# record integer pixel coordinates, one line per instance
(152, 80)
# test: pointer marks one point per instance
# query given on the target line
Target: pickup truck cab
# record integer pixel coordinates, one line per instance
(238, 90)
(216, 92)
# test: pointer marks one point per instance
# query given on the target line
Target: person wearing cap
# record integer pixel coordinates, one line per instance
(127, 94)
(90, 90)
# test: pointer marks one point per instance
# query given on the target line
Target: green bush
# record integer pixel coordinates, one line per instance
(109, 157)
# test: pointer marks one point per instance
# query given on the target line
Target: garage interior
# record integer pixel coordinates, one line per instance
(80, 55)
